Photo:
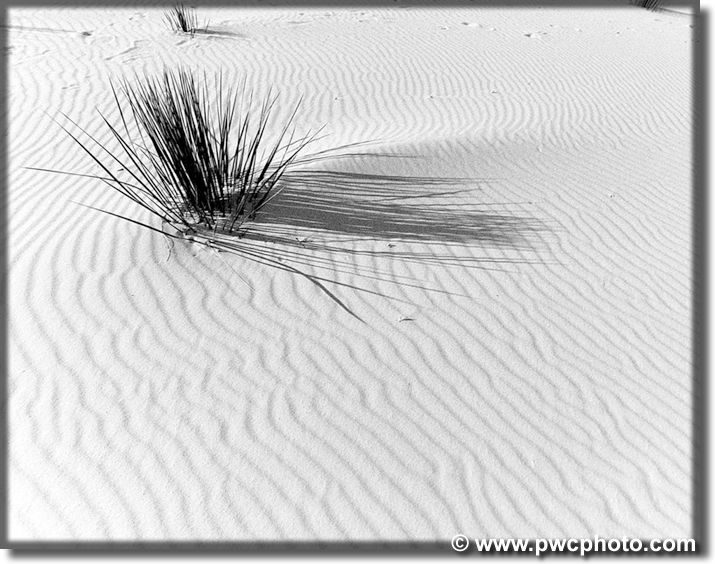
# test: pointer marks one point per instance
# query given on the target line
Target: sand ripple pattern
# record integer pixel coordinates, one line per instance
(522, 367)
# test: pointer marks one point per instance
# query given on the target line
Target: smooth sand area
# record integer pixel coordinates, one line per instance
(515, 241)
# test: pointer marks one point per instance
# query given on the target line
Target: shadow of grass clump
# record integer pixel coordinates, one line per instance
(333, 209)
(396, 207)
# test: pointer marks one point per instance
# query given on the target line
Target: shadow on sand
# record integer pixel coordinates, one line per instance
(218, 31)
(396, 207)
(382, 208)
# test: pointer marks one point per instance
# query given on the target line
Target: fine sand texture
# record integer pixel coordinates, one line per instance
(488, 329)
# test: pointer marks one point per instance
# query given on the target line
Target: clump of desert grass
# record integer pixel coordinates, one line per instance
(202, 156)
(182, 19)
(196, 153)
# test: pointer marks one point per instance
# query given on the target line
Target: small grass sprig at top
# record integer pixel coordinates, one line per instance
(182, 19)
(648, 4)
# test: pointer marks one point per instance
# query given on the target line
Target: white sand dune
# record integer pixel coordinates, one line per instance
(515, 241)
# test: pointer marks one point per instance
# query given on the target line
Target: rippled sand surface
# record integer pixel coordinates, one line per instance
(507, 348)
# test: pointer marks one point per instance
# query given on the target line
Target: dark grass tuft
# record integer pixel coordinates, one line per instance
(195, 162)
(182, 19)
(202, 165)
